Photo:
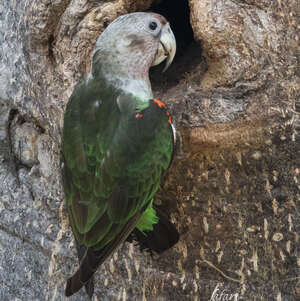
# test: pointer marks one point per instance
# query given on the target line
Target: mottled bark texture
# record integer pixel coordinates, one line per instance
(233, 190)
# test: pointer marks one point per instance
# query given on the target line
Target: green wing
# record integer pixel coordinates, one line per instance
(113, 161)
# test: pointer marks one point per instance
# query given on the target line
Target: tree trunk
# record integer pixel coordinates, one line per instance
(233, 190)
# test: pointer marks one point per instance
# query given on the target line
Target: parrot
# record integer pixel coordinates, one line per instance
(117, 145)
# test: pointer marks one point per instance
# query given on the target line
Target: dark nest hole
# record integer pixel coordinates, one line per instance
(188, 54)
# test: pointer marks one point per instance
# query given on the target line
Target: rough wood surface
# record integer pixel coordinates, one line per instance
(234, 188)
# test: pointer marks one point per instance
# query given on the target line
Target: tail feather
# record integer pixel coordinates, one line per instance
(92, 259)
(83, 276)
(89, 286)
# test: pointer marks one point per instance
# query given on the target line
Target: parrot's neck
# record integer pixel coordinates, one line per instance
(126, 72)
(140, 88)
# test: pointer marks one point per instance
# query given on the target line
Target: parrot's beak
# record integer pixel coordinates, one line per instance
(167, 47)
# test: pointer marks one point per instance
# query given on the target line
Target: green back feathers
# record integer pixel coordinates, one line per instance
(114, 161)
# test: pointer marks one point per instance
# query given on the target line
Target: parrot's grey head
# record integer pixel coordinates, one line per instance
(130, 45)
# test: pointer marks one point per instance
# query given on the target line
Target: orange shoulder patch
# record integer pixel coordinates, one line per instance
(159, 103)
(162, 105)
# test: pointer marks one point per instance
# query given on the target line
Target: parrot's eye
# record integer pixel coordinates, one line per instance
(153, 25)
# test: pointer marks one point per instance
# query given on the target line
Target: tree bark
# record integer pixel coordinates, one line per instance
(233, 190)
